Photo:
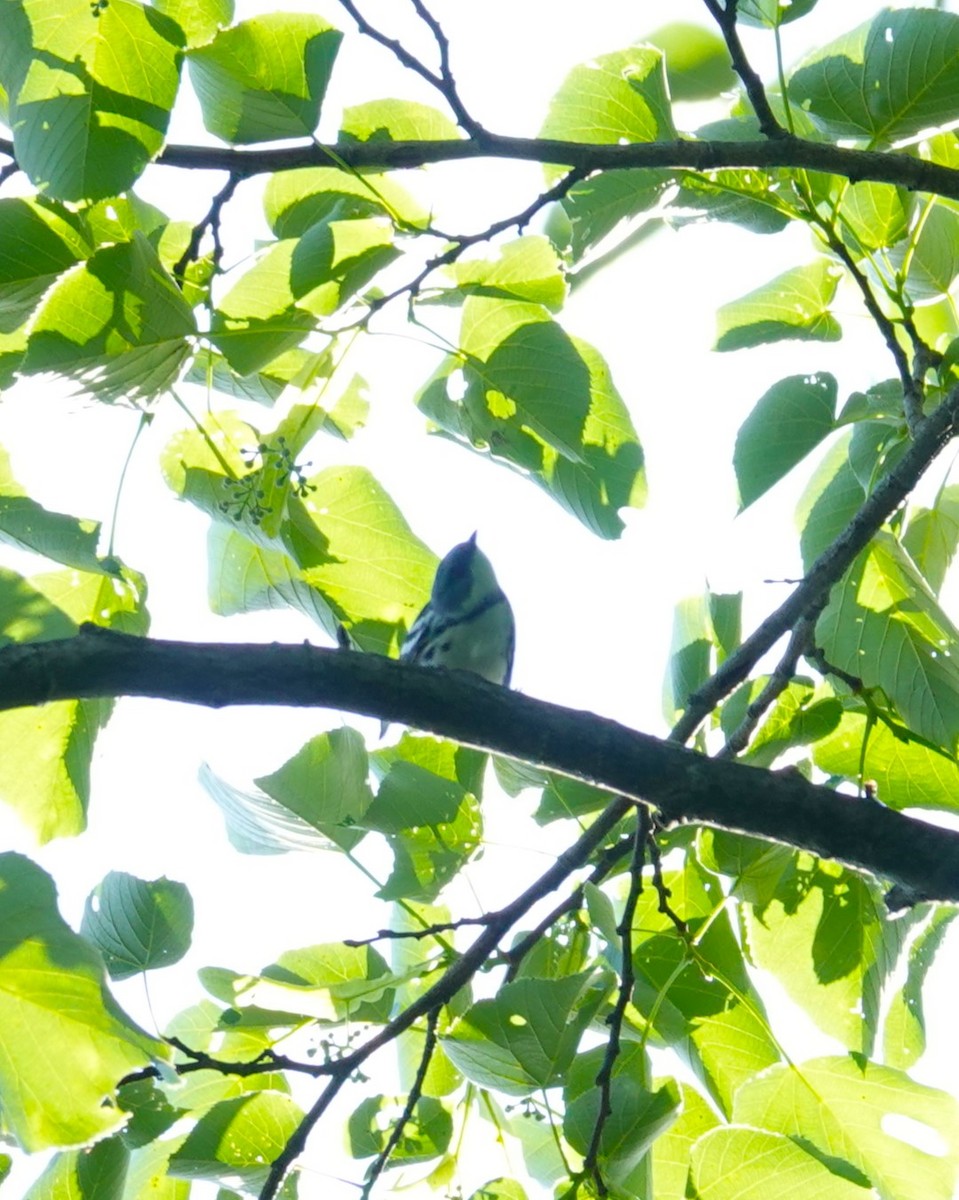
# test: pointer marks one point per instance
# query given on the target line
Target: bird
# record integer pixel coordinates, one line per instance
(467, 623)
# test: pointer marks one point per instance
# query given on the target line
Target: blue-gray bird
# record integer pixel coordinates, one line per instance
(467, 622)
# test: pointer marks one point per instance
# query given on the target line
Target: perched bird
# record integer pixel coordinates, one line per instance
(467, 622)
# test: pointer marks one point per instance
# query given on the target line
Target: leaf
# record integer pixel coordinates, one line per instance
(396, 121)
(799, 717)
(697, 61)
(325, 784)
(614, 98)
(238, 1140)
(544, 402)
(426, 1134)
(847, 1112)
(199, 19)
(90, 92)
(118, 326)
(641, 1112)
(138, 925)
(40, 241)
(29, 526)
(264, 80)
(931, 536)
(526, 1037)
(96, 1173)
(883, 625)
(904, 1034)
(772, 13)
(874, 216)
(526, 269)
(826, 937)
(789, 420)
(355, 980)
(704, 1007)
(65, 1042)
(907, 772)
(295, 200)
(793, 305)
(596, 206)
(930, 259)
(733, 1162)
(257, 824)
(888, 79)
(45, 767)
(831, 499)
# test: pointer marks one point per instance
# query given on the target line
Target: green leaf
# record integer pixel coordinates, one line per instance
(65, 1042)
(349, 983)
(889, 79)
(526, 1037)
(883, 625)
(151, 1113)
(199, 19)
(396, 121)
(29, 526)
(904, 1033)
(257, 824)
(90, 92)
(843, 1111)
(704, 1007)
(799, 717)
(697, 61)
(907, 772)
(526, 269)
(45, 767)
(40, 241)
(734, 1162)
(930, 259)
(432, 825)
(138, 925)
(826, 937)
(238, 1139)
(640, 1112)
(545, 402)
(931, 536)
(690, 655)
(832, 498)
(614, 98)
(599, 204)
(118, 326)
(264, 79)
(874, 216)
(771, 13)
(97, 1173)
(325, 784)
(296, 200)
(789, 421)
(499, 1189)
(793, 305)
(426, 1134)
(672, 1149)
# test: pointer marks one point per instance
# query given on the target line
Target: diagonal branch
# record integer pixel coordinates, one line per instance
(681, 784)
(725, 17)
(933, 433)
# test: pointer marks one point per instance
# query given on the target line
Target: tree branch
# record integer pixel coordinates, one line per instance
(725, 18)
(683, 785)
(933, 433)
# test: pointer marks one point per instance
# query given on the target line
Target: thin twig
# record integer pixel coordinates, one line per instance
(725, 18)
(448, 87)
(379, 1163)
(606, 862)
(663, 891)
(453, 979)
(210, 221)
(604, 1079)
(779, 680)
(417, 934)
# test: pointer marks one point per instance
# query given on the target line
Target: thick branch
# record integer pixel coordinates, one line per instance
(683, 785)
(879, 166)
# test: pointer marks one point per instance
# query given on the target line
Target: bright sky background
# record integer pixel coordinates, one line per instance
(594, 618)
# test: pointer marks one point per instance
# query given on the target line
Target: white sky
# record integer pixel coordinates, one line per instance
(594, 618)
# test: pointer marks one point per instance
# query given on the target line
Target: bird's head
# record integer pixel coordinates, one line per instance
(463, 579)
